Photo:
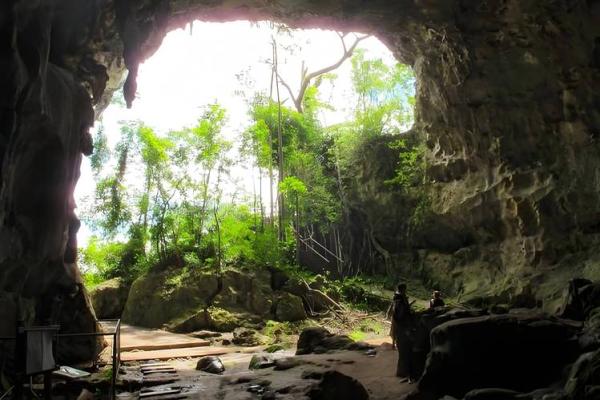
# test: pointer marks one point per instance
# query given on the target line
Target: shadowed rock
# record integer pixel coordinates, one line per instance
(335, 385)
(519, 352)
(320, 340)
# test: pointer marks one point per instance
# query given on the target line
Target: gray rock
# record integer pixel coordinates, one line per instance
(282, 364)
(109, 298)
(261, 361)
(247, 337)
(205, 334)
(319, 340)
(289, 307)
(335, 385)
(210, 364)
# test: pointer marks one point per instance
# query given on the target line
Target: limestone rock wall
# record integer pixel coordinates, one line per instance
(45, 113)
(507, 101)
(513, 128)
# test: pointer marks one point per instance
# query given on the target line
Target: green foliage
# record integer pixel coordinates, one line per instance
(101, 152)
(292, 186)
(357, 335)
(92, 279)
(411, 164)
(159, 194)
(103, 258)
(256, 142)
(385, 95)
(284, 334)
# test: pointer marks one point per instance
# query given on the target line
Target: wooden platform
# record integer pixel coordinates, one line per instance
(166, 354)
(136, 338)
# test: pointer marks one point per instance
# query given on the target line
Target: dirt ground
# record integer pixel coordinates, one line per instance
(375, 372)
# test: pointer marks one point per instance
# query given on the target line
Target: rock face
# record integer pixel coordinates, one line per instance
(161, 297)
(109, 298)
(507, 104)
(187, 300)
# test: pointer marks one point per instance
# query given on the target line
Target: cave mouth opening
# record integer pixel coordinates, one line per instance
(212, 87)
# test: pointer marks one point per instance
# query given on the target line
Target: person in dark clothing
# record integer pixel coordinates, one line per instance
(397, 310)
(401, 331)
(436, 299)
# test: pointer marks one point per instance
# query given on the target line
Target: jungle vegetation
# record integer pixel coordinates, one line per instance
(168, 198)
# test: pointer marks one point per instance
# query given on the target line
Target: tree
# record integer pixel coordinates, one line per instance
(201, 150)
(306, 78)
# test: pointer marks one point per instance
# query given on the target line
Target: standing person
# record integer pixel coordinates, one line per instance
(436, 300)
(402, 325)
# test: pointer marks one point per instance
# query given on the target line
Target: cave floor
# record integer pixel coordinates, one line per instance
(375, 372)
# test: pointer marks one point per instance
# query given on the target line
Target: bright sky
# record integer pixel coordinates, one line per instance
(191, 70)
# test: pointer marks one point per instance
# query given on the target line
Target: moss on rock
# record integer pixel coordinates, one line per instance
(159, 298)
(289, 307)
(109, 298)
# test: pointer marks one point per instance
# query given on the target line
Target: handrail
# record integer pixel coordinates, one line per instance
(115, 333)
(116, 348)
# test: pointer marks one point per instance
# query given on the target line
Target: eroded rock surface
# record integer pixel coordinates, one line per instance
(109, 298)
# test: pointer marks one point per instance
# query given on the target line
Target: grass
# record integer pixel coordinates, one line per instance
(357, 335)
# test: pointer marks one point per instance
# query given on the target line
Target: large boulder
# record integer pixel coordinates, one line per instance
(584, 377)
(109, 298)
(250, 291)
(580, 298)
(320, 340)
(521, 352)
(289, 307)
(214, 318)
(159, 298)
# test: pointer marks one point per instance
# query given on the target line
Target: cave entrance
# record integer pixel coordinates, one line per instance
(191, 156)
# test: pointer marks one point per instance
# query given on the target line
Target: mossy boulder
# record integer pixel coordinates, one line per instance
(319, 340)
(248, 337)
(109, 298)
(222, 320)
(214, 318)
(160, 298)
(250, 291)
(289, 307)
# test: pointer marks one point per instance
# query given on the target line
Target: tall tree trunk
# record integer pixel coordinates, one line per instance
(279, 146)
(218, 227)
(297, 229)
(260, 199)
(203, 208)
